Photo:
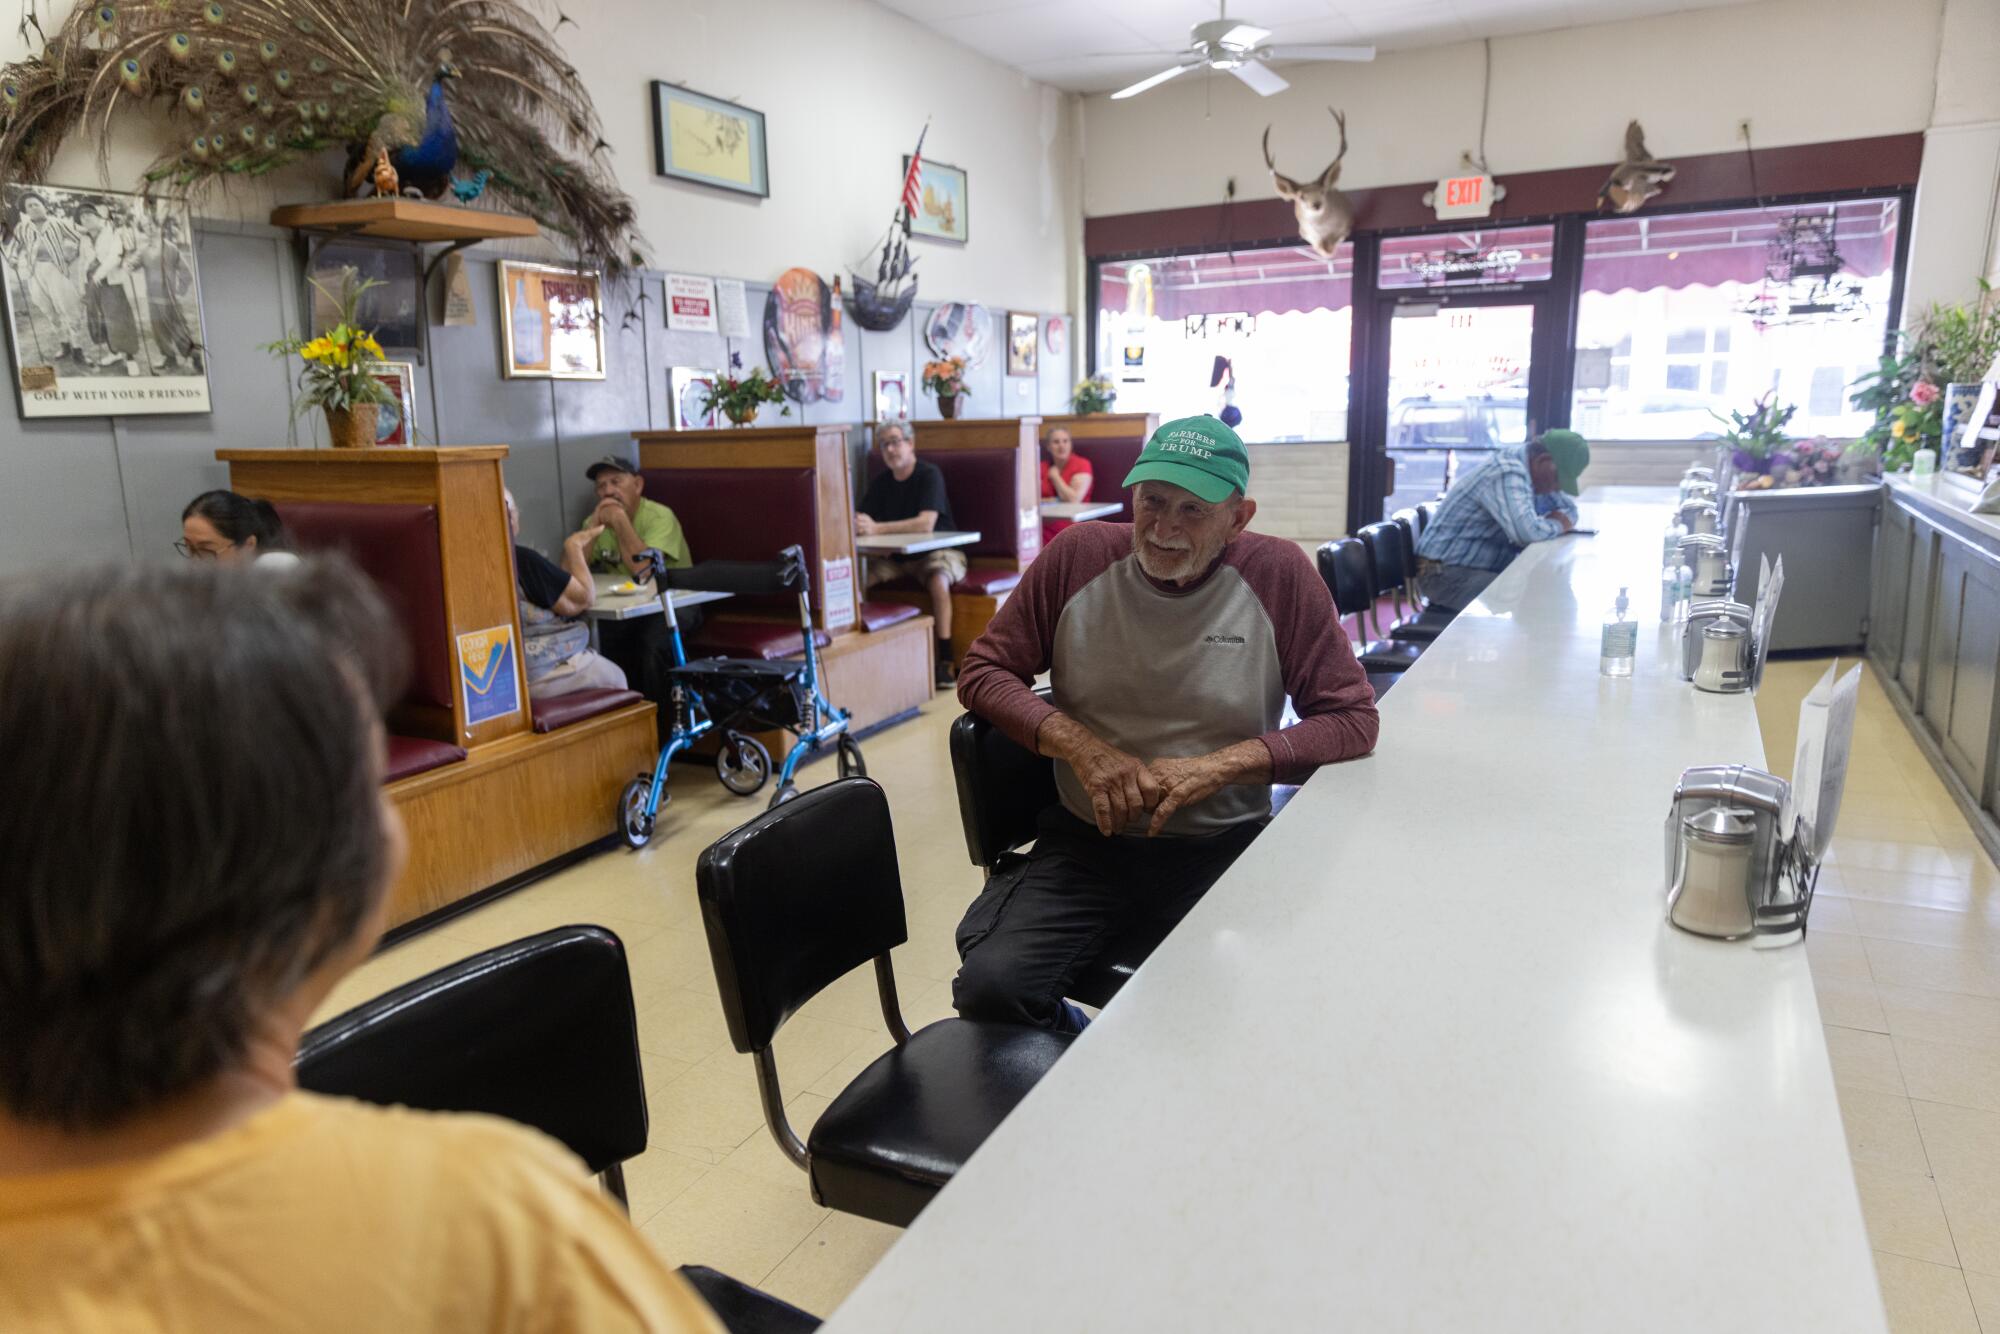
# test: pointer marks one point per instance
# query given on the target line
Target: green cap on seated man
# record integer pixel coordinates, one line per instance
(1197, 454)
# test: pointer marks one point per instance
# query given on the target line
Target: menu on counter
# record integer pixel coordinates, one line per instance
(1770, 583)
(1819, 768)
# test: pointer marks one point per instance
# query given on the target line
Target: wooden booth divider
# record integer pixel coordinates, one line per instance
(746, 493)
(1111, 441)
(489, 799)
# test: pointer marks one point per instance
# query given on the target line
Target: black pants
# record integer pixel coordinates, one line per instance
(643, 651)
(1044, 918)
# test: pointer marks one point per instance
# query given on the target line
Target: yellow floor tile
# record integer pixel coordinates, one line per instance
(1903, 1214)
(1942, 1072)
(1882, 1130)
(1940, 1016)
(1863, 1060)
(1985, 1289)
(1898, 963)
(1836, 957)
(1924, 1298)
(1975, 929)
(1847, 1004)
(823, 1269)
(1963, 1147)
(739, 1224)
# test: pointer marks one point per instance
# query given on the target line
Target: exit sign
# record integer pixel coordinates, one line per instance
(1463, 197)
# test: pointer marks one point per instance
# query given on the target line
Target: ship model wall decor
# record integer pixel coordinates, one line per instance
(880, 303)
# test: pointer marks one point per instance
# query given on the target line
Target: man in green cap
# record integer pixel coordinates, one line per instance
(1519, 495)
(1172, 645)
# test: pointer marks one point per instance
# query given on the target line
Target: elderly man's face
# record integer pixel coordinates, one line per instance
(897, 451)
(623, 487)
(1177, 535)
(1542, 471)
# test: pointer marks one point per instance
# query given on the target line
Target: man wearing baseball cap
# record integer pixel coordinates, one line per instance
(1519, 495)
(624, 524)
(1172, 644)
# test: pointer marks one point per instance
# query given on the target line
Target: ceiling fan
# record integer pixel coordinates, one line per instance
(1237, 47)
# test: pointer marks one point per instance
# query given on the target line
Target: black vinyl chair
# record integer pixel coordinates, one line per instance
(1428, 623)
(1345, 567)
(540, 1031)
(793, 901)
(1002, 789)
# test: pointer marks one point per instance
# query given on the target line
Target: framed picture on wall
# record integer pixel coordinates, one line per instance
(396, 423)
(1024, 333)
(892, 396)
(687, 390)
(103, 303)
(942, 208)
(709, 141)
(392, 309)
(551, 322)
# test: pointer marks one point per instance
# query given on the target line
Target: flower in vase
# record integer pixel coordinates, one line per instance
(1923, 392)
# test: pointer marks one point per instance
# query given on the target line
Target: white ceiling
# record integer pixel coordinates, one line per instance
(1101, 45)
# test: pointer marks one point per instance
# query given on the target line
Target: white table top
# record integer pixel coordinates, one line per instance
(910, 544)
(1428, 1057)
(610, 606)
(1079, 509)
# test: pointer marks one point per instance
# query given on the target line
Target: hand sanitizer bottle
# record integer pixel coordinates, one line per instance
(1621, 639)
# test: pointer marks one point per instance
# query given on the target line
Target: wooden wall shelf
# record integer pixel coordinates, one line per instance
(406, 220)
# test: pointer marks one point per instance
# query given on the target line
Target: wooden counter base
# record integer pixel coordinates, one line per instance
(514, 805)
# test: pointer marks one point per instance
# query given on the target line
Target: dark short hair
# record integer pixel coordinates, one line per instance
(192, 822)
(241, 517)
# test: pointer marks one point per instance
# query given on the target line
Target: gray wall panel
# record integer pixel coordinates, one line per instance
(62, 502)
(594, 418)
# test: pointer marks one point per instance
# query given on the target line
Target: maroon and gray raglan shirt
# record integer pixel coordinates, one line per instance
(1165, 672)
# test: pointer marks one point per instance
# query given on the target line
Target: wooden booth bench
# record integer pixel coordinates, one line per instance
(992, 476)
(747, 494)
(491, 787)
(1111, 441)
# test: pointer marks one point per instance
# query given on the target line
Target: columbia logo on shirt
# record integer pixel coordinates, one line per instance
(1232, 640)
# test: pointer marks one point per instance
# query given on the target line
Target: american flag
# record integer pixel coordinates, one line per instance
(910, 176)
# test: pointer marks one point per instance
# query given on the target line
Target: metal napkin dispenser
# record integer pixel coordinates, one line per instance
(1707, 557)
(1702, 613)
(1732, 871)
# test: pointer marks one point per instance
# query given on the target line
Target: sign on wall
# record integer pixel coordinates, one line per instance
(690, 303)
(1465, 196)
(486, 674)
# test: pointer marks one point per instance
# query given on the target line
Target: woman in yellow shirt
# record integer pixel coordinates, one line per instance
(198, 848)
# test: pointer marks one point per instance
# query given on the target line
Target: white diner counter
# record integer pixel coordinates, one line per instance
(1429, 1056)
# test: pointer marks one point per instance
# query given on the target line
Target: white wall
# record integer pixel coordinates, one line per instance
(1802, 71)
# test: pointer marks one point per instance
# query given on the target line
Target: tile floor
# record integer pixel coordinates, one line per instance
(1905, 953)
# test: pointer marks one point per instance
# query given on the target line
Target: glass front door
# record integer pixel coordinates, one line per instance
(1457, 390)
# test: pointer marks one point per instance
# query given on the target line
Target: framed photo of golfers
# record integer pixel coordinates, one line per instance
(103, 303)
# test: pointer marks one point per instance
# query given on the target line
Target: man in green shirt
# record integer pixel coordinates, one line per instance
(632, 524)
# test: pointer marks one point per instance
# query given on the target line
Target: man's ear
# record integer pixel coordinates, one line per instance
(1246, 510)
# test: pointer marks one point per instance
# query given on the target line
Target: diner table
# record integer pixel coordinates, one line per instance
(1078, 510)
(639, 601)
(910, 544)
(1429, 1057)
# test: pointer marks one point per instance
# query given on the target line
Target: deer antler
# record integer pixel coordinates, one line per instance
(1332, 172)
(1269, 161)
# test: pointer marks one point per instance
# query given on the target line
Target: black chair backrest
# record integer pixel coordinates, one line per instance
(1385, 550)
(540, 1031)
(1345, 567)
(1425, 513)
(799, 897)
(1406, 543)
(1001, 788)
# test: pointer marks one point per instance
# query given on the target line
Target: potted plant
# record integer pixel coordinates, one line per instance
(738, 397)
(1756, 440)
(946, 381)
(1882, 391)
(338, 370)
(1958, 344)
(1094, 394)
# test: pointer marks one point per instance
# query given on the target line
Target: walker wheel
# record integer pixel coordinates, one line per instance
(634, 825)
(851, 763)
(783, 795)
(742, 763)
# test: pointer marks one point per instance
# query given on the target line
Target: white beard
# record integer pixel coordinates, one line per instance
(1171, 567)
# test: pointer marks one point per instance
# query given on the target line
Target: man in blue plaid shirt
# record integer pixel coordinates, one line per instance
(1519, 495)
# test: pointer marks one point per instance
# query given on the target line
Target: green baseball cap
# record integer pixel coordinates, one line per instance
(1572, 455)
(1197, 454)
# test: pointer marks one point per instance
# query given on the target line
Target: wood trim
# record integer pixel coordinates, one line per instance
(406, 220)
(515, 805)
(751, 447)
(1886, 162)
(974, 432)
(396, 456)
(1104, 425)
(880, 674)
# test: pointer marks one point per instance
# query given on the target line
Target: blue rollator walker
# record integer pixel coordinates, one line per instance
(735, 696)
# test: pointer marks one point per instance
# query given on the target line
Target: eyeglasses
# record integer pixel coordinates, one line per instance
(192, 552)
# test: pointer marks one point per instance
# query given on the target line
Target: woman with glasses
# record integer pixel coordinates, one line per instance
(234, 530)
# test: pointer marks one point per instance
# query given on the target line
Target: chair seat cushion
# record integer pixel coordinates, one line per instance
(725, 637)
(977, 583)
(907, 1123)
(1386, 656)
(1414, 632)
(882, 615)
(563, 710)
(412, 755)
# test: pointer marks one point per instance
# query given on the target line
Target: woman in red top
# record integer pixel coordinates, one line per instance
(1066, 478)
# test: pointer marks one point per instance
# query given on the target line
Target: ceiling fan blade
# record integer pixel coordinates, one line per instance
(1263, 80)
(1153, 81)
(1244, 36)
(1318, 52)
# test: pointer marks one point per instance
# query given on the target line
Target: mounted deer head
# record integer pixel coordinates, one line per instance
(1325, 214)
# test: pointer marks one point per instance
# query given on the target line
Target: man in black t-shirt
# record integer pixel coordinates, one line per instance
(909, 498)
(555, 644)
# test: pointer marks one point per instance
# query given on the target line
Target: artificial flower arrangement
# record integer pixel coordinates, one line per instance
(946, 378)
(337, 373)
(1756, 439)
(737, 396)
(1094, 394)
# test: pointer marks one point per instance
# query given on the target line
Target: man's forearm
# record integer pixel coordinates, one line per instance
(1245, 762)
(576, 563)
(923, 523)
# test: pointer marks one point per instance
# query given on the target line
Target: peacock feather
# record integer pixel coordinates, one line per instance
(254, 85)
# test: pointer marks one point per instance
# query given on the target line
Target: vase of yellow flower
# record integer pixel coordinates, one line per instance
(946, 381)
(337, 371)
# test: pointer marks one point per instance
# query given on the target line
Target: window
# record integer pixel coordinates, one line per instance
(1172, 332)
(1701, 312)
(1451, 260)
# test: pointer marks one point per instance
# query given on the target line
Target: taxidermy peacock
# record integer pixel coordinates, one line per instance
(414, 90)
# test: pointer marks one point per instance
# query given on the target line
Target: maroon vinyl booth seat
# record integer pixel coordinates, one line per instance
(980, 485)
(752, 514)
(562, 710)
(1110, 460)
(397, 547)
